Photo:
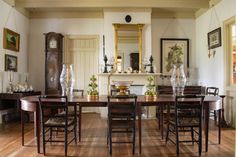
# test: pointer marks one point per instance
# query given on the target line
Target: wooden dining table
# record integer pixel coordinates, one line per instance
(210, 103)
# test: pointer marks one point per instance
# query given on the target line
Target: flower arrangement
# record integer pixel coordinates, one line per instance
(174, 57)
(151, 87)
(93, 86)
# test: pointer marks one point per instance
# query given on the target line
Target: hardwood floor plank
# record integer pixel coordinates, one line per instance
(94, 142)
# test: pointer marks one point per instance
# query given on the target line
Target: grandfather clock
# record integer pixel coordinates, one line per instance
(53, 62)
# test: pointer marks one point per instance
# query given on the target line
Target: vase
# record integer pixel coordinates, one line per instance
(178, 79)
(67, 80)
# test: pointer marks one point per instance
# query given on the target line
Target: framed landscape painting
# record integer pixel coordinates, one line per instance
(11, 40)
(174, 50)
(10, 63)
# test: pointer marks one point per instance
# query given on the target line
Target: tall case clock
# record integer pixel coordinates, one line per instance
(53, 62)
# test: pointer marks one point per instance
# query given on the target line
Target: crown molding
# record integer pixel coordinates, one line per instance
(113, 3)
(10, 2)
(203, 10)
(184, 15)
(66, 14)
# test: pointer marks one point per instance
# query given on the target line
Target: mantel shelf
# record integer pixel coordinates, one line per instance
(131, 74)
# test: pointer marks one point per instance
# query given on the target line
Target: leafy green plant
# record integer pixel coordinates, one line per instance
(93, 86)
(151, 87)
(174, 57)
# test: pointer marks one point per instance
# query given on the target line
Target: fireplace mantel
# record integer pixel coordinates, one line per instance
(105, 79)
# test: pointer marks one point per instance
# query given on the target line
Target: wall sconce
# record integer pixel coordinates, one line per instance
(211, 53)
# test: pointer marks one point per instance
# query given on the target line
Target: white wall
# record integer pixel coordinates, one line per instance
(65, 26)
(15, 21)
(212, 70)
(142, 17)
(172, 28)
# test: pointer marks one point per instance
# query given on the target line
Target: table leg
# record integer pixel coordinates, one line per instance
(37, 127)
(140, 129)
(22, 127)
(206, 126)
(80, 111)
(219, 133)
(162, 122)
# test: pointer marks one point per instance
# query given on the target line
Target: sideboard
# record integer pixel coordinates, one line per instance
(10, 104)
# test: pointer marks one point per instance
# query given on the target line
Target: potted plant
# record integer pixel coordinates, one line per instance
(93, 92)
(151, 88)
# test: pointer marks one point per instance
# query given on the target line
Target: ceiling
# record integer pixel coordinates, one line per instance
(159, 8)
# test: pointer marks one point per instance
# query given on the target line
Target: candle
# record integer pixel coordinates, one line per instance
(10, 76)
(26, 77)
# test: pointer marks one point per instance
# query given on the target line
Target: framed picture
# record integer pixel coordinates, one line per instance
(10, 63)
(214, 38)
(11, 40)
(174, 50)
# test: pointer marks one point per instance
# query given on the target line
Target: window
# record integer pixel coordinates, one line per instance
(230, 51)
(233, 38)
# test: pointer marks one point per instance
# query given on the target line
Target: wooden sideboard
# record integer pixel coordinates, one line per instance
(163, 89)
(10, 104)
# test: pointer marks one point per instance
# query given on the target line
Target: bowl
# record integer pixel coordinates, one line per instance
(122, 86)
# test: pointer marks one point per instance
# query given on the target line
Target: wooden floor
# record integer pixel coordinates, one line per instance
(94, 142)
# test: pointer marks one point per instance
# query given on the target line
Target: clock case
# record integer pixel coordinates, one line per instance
(53, 63)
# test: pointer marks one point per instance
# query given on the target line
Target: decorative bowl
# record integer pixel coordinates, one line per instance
(122, 86)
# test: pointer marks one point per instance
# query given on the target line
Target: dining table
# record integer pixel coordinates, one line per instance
(210, 103)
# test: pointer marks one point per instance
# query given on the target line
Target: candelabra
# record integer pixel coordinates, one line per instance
(151, 65)
(10, 86)
(106, 64)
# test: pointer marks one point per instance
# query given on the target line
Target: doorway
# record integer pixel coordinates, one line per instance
(82, 52)
(230, 66)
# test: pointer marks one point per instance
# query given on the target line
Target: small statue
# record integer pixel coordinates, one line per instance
(151, 65)
(106, 64)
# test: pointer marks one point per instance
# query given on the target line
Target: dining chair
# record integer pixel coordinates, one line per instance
(213, 91)
(121, 118)
(52, 122)
(187, 118)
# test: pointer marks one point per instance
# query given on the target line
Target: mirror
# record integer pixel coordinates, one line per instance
(128, 47)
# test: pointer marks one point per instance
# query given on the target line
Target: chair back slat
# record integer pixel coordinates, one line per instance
(188, 108)
(212, 91)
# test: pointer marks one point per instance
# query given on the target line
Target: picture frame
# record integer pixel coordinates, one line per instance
(11, 40)
(166, 46)
(214, 38)
(10, 63)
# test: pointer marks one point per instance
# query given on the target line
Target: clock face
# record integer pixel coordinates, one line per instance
(53, 43)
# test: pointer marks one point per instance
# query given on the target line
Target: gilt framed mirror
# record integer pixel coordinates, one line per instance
(128, 41)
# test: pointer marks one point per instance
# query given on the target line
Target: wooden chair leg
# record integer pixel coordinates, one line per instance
(110, 142)
(177, 140)
(192, 134)
(200, 140)
(44, 149)
(219, 125)
(66, 138)
(167, 133)
(22, 127)
(75, 133)
(134, 140)
(215, 117)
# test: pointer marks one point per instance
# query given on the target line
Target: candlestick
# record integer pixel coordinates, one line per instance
(10, 76)
(26, 77)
